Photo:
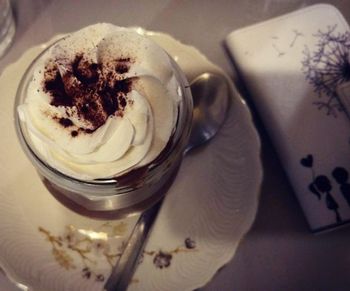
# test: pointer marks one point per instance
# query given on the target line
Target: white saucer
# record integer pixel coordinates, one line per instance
(208, 209)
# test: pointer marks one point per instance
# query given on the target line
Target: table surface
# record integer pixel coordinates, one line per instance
(279, 252)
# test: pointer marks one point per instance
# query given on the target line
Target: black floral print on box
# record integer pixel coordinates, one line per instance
(341, 175)
(321, 185)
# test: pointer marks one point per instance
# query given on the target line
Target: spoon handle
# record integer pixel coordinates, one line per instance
(124, 269)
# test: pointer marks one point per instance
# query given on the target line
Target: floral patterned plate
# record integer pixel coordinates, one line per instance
(208, 209)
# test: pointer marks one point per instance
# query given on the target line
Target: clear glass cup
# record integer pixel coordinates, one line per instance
(7, 26)
(121, 196)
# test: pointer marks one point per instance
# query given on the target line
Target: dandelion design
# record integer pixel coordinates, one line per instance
(328, 66)
(91, 246)
(280, 48)
(321, 185)
(279, 52)
(297, 35)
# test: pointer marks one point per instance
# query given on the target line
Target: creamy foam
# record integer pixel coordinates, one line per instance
(102, 101)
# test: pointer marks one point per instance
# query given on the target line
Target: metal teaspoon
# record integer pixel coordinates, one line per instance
(210, 103)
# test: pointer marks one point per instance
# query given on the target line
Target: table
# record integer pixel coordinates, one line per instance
(279, 252)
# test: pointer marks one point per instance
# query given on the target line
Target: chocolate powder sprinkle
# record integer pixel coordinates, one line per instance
(96, 91)
(122, 101)
(74, 133)
(54, 84)
(125, 60)
(123, 65)
(121, 68)
(66, 122)
(87, 73)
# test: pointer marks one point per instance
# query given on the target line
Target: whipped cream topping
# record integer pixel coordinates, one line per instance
(102, 101)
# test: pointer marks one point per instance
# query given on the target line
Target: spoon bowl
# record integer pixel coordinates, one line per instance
(210, 103)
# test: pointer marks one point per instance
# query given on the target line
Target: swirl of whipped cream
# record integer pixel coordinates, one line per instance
(102, 101)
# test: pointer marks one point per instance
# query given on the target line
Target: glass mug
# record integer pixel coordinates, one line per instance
(113, 197)
(7, 26)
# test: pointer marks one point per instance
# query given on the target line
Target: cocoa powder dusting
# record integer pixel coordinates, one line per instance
(96, 91)
(74, 133)
(122, 101)
(54, 85)
(66, 122)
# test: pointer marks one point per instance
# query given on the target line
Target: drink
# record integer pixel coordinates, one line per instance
(100, 107)
(7, 26)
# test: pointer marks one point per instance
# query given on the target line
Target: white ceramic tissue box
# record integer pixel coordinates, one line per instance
(294, 67)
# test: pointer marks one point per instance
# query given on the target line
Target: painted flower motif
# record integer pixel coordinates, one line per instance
(87, 273)
(162, 260)
(190, 243)
(71, 236)
(100, 246)
(90, 246)
(100, 278)
(120, 229)
(63, 258)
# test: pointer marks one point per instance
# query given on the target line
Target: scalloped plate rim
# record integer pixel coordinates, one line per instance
(249, 121)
